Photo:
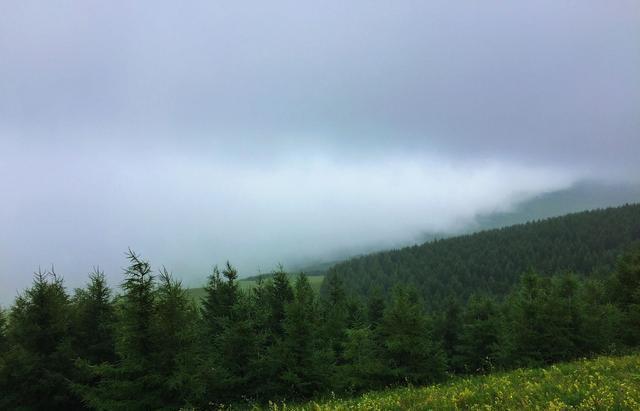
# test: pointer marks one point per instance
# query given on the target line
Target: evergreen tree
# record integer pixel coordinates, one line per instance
(628, 295)
(448, 330)
(479, 336)
(94, 321)
(524, 339)
(38, 366)
(221, 295)
(280, 294)
(175, 344)
(363, 367)
(302, 363)
(4, 344)
(546, 321)
(231, 341)
(236, 354)
(412, 353)
(375, 307)
(602, 320)
(132, 383)
(335, 316)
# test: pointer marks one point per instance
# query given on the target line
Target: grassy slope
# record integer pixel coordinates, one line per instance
(601, 383)
(315, 281)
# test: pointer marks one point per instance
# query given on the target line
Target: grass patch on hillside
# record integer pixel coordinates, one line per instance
(604, 383)
(315, 281)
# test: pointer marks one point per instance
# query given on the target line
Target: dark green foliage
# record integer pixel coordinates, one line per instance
(280, 294)
(175, 343)
(131, 383)
(335, 316)
(152, 348)
(229, 340)
(477, 349)
(491, 262)
(412, 354)
(94, 321)
(302, 362)
(602, 319)
(363, 364)
(545, 320)
(221, 295)
(4, 344)
(627, 295)
(36, 369)
(375, 307)
(448, 327)
(233, 355)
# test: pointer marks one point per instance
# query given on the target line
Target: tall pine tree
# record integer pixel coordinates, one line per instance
(412, 354)
(38, 366)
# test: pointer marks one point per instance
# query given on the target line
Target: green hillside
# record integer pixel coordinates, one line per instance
(603, 383)
(492, 261)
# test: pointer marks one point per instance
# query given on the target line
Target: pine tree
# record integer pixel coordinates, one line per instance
(412, 353)
(479, 336)
(175, 343)
(363, 366)
(448, 330)
(280, 294)
(230, 340)
(375, 307)
(37, 367)
(236, 353)
(4, 344)
(335, 316)
(221, 295)
(302, 364)
(132, 383)
(94, 321)
(628, 295)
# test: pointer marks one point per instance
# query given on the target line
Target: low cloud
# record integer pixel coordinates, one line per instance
(268, 132)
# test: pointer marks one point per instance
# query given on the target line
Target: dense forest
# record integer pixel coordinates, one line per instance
(150, 346)
(492, 261)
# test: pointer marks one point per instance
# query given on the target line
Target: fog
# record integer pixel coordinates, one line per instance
(284, 132)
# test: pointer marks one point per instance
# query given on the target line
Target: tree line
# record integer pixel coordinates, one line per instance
(153, 347)
(492, 261)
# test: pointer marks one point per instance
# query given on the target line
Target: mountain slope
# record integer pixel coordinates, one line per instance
(582, 196)
(492, 261)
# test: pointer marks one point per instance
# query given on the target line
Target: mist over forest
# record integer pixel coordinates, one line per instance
(459, 182)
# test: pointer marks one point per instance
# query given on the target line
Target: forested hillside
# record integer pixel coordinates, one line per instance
(153, 347)
(492, 261)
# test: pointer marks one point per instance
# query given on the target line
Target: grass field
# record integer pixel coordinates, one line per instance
(314, 280)
(604, 383)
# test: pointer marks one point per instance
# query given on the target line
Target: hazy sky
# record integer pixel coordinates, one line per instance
(266, 132)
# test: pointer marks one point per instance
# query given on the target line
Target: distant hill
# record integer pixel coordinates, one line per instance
(492, 261)
(583, 196)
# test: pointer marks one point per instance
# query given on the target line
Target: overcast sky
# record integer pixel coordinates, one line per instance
(267, 131)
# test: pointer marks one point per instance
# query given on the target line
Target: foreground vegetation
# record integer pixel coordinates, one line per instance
(605, 383)
(153, 347)
(247, 284)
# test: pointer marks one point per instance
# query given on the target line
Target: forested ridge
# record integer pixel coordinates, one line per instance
(150, 346)
(492, 261)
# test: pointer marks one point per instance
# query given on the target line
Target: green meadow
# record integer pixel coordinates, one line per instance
(603, 383)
